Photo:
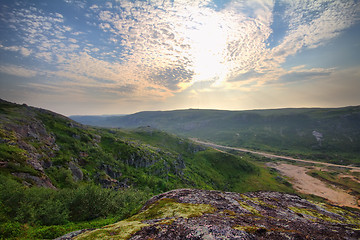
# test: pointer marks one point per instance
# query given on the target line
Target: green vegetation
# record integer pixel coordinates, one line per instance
(281, 131)
(167, 209)
(32, 213)
(343, 179)
(249, 229)
(93, 177)
(315, 216)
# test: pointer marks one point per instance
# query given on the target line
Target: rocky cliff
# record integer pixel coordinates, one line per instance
(201, 214)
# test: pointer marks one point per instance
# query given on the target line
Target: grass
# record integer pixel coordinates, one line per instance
(336, 178)
(148, 160)
(280, 131)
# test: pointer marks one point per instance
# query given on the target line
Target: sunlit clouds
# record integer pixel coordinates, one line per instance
(134, 55)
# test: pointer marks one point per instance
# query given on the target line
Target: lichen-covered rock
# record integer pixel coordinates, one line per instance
(30, 180)
(76, 172)
(25, 133)
(201, 214)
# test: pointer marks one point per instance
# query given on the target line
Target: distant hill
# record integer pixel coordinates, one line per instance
(92, 120)
(326, 134)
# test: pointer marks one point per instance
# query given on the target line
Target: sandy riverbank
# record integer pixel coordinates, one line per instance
(310, 185)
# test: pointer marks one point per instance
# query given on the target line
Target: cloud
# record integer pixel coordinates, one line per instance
(18, 71)
(303, 76)
(246, 76)
(172, 78)
(210, 44)
(313, 23)
(39, 31)
(24, 51)
(161, 48)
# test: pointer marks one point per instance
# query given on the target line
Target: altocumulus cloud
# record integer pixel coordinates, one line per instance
(158, 48)
(302, 76)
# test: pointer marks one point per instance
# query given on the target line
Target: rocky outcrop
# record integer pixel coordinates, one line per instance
(76, 172)
(109, 171)
(32, 137)
(25, 132)
(29, 180)
(201, 214)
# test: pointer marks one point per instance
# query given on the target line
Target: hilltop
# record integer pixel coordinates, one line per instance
(322, 134)
(58, 175)
(200, 214)
(46, 149)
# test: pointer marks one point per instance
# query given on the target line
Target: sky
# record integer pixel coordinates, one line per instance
(79, 57)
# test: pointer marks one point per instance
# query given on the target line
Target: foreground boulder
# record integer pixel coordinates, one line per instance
(201, 214)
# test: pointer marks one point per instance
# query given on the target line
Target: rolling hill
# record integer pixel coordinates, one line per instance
(57, 175)
(324, 134)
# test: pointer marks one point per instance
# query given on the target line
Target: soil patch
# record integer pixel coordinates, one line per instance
(304, 183)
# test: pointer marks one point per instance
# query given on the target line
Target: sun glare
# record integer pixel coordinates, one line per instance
(208, 41)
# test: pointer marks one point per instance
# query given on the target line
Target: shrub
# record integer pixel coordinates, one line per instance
(45, 207)
(11, 194)
(10, 230)
(88, 202)
(91, 201)
(49, 232)
(42, 206)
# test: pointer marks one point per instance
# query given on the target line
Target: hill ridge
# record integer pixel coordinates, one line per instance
(325, 134)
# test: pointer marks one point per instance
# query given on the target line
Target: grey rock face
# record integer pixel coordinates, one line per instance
(76, 172)
(253, 215)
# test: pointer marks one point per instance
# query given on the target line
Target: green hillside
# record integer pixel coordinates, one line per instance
(58, 175)
(331, 135)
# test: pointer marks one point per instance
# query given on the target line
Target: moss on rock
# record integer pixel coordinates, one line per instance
(164, 211)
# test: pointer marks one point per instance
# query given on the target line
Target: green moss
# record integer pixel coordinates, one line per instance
(169, 208)
(23, 168)
(121, 230)
(245, 204)
(166, 209)
(9, 136)
(349, 217)
(249, 208)
(167, 221)
(314, 215)
(229, 213)
(254, 200)
(248, 229)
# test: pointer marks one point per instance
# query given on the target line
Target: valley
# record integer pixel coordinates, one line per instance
(330, 135)
(180, 120)
(273, 156)
(59, 176)
(303, 182)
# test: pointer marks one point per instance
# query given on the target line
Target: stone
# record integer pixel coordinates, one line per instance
(202, 214)
(76, 172)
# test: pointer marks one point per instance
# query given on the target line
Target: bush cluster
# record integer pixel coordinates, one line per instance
(46, 207)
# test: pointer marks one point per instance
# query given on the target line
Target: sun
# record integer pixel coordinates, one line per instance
(207, 36)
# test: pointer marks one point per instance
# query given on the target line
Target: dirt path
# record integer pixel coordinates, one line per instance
(310, 185)
(269, 155)
(301, 181)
